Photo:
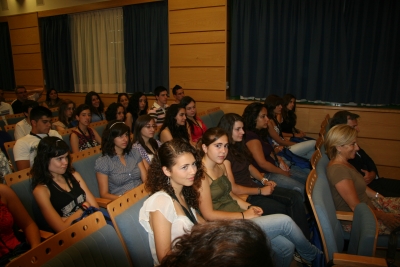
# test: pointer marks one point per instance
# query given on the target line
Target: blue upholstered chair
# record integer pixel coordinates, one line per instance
(10, 129)
(89, 242)
(14, 118)
(124, 213)
(216, 115)
(207, 120)
(362, 239)
(99, 126)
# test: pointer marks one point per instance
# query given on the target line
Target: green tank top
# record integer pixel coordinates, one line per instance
(221, 199)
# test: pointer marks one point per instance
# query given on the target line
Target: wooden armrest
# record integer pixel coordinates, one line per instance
(103, 202)
(244, 197)
(356, 260)
(45, 235)
(344, 215)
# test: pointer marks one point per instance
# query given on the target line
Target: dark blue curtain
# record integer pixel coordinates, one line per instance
(330, 50)
(7, 80)
(146, 46)
(56, 51)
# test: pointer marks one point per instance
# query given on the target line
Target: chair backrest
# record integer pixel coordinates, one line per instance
(14, 118)
(65, 136)
(2, 124)
(315, 158)
(54, 119)
(319, 142)
(17, 177)
(89, 242)
(124, 213)
(207, 120)
(54, 112)
(10, 129)
(10, 152)
(216, 115)
(99, 126)
(84, 162)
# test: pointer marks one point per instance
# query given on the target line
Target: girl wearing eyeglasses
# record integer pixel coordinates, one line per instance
(121, 168)
(143, 137)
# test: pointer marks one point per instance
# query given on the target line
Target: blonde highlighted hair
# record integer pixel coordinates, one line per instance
(338, 135)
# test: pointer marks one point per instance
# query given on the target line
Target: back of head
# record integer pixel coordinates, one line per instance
(186, 100)
(38, 112)
(159, 89)
(114, 129)
(48, 148)
(250, 115)
(271, 102)
(339, 135)
(176, 87)
(209, 137)
(29, 104)
(341, 117)
(233, 243)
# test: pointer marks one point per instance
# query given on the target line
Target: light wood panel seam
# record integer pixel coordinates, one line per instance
(25, 53)
(391, 166)
(197, 66)
(191, 8)
(196, 43)
(26, 45)
(16, 29)
(197, 31)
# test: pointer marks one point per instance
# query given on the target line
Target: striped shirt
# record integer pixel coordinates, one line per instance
(158, 113)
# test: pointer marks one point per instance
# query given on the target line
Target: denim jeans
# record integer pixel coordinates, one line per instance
(304, 149)
(285, 236)
(287, 182)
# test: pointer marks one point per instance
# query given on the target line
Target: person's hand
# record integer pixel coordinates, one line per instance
(267, 190)
(390, 220)
(368, 176)
(278, 149)
(271, 183)
(252, 212)
(283, 166)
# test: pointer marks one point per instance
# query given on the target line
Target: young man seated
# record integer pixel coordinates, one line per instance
(24, 127)
(26, 147)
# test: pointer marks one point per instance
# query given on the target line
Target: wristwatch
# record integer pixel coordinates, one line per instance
(264, 179)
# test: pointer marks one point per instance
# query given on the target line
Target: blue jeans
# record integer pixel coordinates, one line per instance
(285, 236)
(287, 182)
(304, 149)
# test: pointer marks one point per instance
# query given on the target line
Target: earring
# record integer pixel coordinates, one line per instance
(168, 181)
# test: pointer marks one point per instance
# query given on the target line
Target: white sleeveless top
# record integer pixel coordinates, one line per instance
(162, 202)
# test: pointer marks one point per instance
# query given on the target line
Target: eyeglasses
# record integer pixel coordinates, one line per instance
(148, 126)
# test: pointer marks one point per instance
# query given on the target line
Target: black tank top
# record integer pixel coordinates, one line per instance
(66, 203)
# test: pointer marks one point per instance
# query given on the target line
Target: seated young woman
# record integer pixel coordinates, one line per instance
(263, 193)
(347, 184)
(218, 202)
(137, 106)
(93, 100)
(52, 99)
(264, 159)
(173, 180)
(175, 125)
(83, 137)
(60, 192)
(120, 168)
(288, 119)
(304, 149)
(115, 111)
(143, 137)
(13, 212)
(196, 125)
(65, 115)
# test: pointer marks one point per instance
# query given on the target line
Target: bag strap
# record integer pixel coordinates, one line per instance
(188, 213)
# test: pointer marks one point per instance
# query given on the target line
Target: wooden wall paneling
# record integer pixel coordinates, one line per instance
(4, 19)
(23, 21)
(198, 77)
(197, 55)
(383, 152)
(389, 172)
(193, 20)
(27, 36)
(197, 37)
(205, 95)
(27, 61)
(26, 49)
(185, 4)
(29, 77)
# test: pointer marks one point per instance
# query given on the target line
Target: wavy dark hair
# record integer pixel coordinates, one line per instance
(271, 102)
(137, 136)
(186, 100)
(48, 148)
(289, 116)
(209, 137)
(177, 131)
(48, 95)
(233, 243)
(237, 149)
(121, 95)
(114, 129)
(166, 157)
(88, 101)
(79, 109)
(61, 112)
(111, 112)
(250, 115)
(133, 106)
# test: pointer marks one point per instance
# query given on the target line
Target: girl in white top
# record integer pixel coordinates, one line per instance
(173, 180)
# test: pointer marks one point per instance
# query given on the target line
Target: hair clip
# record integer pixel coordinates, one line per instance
(116, 123)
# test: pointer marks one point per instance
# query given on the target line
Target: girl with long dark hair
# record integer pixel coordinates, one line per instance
(196, 125)
(96, 105)
(175, 125)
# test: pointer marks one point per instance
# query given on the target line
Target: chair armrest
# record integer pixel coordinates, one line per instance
(45, 235)
(344, 215)
(355, 260)
(103, 202)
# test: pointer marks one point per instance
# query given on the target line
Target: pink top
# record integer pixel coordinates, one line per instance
(6, 230)
(198, 130)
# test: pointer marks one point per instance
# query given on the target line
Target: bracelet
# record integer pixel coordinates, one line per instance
(259, 191)
(242, 215)
(377, 194)
(264, 179)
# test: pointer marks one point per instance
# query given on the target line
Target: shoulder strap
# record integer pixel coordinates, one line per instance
(188, 213)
